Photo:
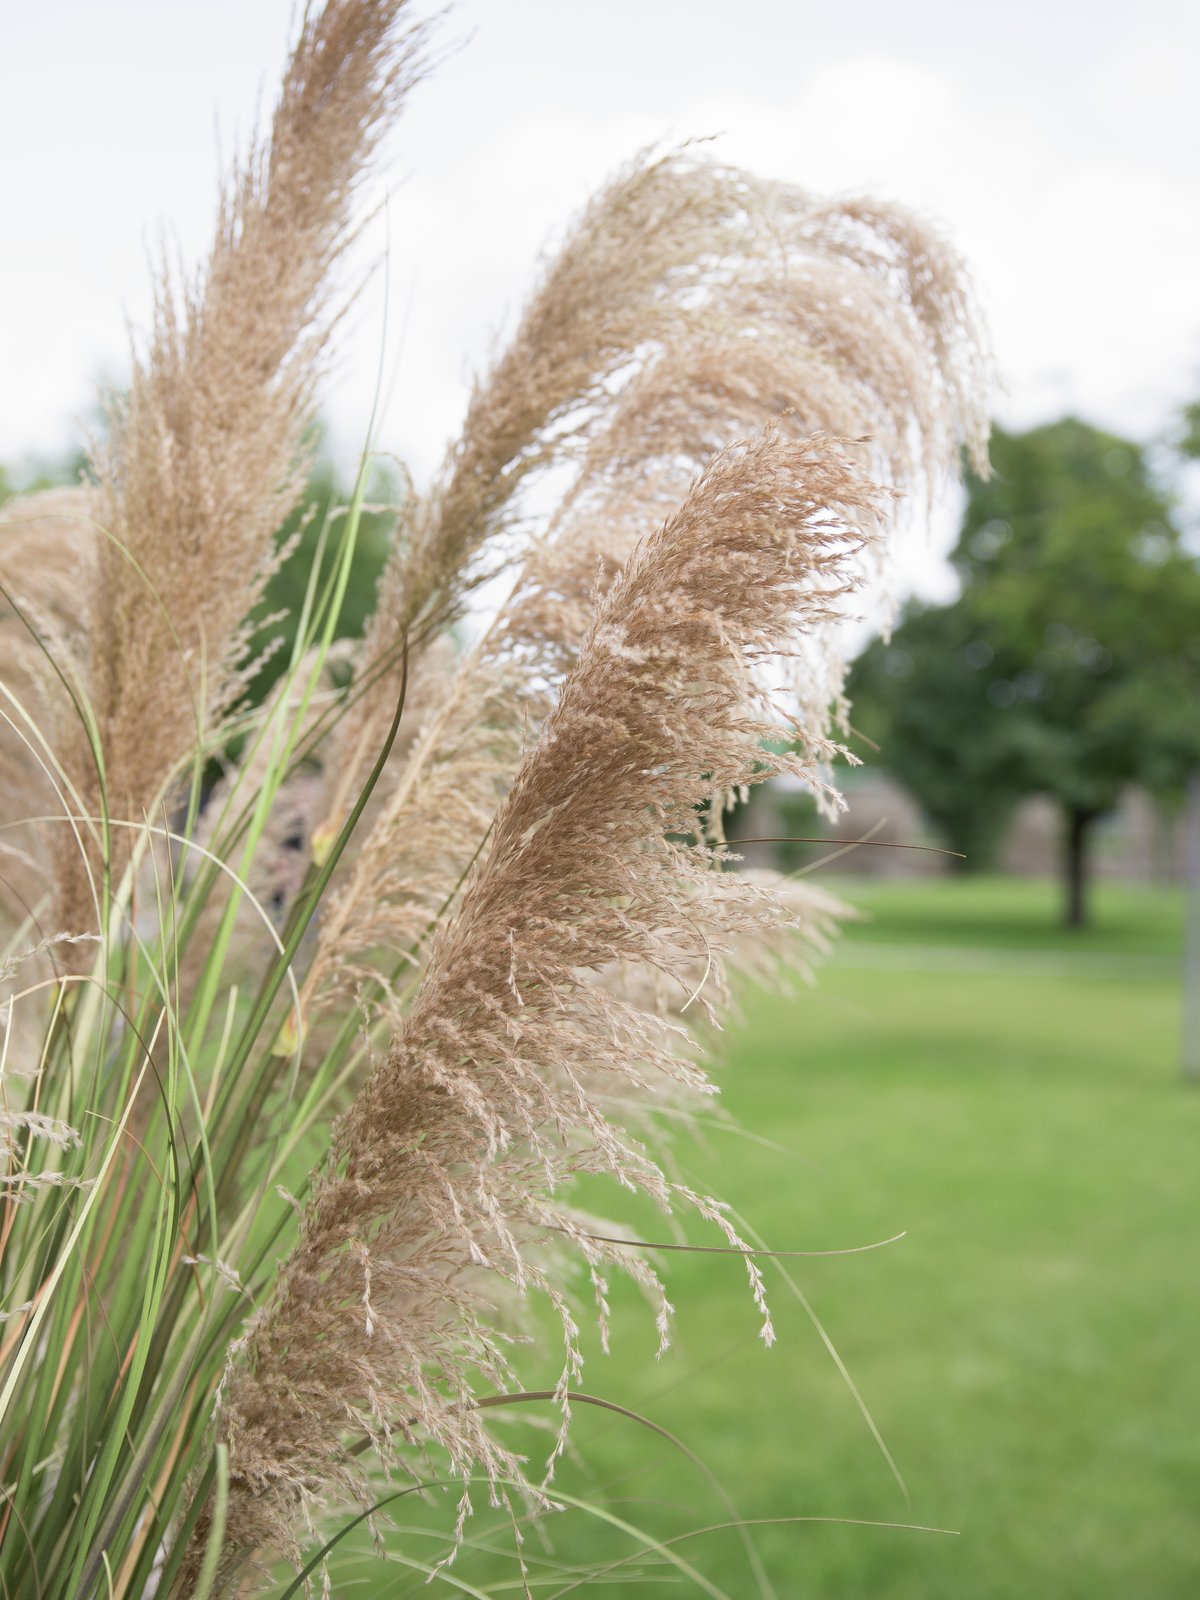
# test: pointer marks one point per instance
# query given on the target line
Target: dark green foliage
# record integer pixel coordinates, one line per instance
(1075, 570)
(277, 614)
(925, 700)
(1189, 438)
(1069, 666)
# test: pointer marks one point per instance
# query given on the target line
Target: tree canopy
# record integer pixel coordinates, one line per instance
(1069, 665)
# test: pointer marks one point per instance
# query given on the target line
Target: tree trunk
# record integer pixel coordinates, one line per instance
(1075, 865)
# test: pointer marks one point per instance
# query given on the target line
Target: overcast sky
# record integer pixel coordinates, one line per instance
(1059, 145)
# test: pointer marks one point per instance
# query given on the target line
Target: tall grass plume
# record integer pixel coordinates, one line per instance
(323, 1011)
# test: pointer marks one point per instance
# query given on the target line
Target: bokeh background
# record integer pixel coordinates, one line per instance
(997, 1063)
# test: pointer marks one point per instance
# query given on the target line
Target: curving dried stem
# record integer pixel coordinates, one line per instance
(444, 1174)
(207, 454)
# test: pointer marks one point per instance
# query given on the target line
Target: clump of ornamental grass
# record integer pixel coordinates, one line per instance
(305, 1067)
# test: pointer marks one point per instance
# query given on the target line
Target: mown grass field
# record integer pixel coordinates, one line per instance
(1008, 1096)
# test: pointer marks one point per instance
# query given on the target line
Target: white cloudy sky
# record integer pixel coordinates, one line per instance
(1058, 143)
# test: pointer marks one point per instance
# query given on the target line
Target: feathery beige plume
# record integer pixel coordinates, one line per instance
(621, 280)
(49, 566)
(207, 452)
(446, 1168)
(842, 316)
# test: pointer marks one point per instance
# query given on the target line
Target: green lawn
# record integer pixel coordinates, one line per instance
(1028, 1350)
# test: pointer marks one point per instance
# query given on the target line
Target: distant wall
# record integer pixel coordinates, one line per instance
(1136, 843)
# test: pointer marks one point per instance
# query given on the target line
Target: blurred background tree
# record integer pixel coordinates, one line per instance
(924, 701)
(1069, 665)
(1188, 442)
